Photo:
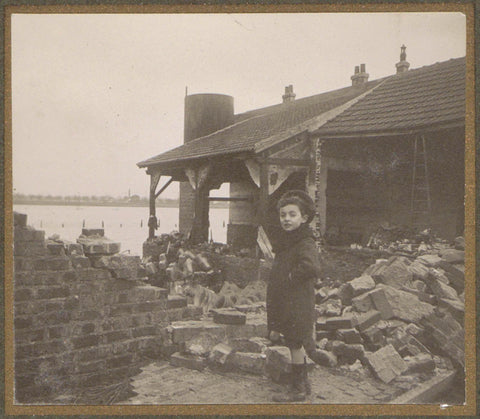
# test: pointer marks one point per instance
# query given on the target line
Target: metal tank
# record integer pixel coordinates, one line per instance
(204, 114)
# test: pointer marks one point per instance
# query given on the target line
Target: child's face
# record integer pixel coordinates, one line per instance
(291, 217)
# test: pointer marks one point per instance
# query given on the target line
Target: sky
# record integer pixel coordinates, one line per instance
(94, 94)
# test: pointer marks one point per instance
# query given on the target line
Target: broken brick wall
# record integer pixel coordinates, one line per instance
(77, 325)
(358, 200)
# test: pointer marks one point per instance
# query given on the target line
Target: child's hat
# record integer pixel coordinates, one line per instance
(307, 202)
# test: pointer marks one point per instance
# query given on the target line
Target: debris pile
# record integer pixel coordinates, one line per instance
(404, 316)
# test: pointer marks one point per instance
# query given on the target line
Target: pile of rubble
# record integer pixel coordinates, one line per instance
(403, 317)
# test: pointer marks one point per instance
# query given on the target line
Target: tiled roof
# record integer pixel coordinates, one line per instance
(428, 96)
(252, 127)
(422, 97)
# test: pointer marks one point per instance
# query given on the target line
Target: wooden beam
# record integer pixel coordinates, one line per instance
(163, 188)
(231, 198)
(263, 204)
(288, 162)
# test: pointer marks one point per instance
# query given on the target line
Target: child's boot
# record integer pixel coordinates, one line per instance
(297, 390)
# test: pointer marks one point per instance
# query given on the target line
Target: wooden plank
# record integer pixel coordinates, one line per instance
(264, 244)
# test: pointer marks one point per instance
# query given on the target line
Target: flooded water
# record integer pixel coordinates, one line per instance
(127, 225)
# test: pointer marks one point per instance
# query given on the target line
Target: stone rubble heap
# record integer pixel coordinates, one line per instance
(403, 316)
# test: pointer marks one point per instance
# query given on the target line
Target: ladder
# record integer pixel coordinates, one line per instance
(421, 206)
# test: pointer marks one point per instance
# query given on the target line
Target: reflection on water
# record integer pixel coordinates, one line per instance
(128, 225)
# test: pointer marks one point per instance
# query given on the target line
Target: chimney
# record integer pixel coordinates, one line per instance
(360, 76)
(289, 96)
(402, 65)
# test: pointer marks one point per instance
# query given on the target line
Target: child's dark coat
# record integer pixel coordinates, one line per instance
(290, 290)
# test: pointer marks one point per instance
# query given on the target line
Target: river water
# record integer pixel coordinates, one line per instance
(127, 225)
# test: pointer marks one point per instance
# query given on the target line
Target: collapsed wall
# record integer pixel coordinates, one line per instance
(82, 314)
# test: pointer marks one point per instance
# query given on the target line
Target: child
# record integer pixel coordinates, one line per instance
(290, 290)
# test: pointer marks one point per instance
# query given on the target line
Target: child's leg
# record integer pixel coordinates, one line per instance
(298, 355)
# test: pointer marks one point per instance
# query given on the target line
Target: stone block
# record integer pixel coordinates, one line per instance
(120, 266)
(430, 260)
(73, 249)
(455, 275)
(321, 323)
(347, 353)
(348, 336)
(193, 362)
(219, 354)
(183, 331)
(345, 293)
(333, 307)
(421, 363)
(202, 344)
(323, 358)
(343, 322)
(361, 284)
(250, 362)
(29, 249)
(362, 303)
(455, 307)
(374, 336)
(440, 289)
(80, 262)
(277, 361)
(251, 308)
(418, 269)
(452, 255)
(176, 301)
(405, 306)
(228, 316)
(365, 320)
(88, 232)
(459, 243)
(147, 293)
(381, 303)
(98, 245)
(28, 234)
(395, 273)
(386, 363)
(255, 344)
(322, 334)
(56, 249)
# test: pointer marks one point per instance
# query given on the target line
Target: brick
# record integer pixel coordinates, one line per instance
(80, 262)
(421, 363)
(85, 341)
(219, 354)
(86, 367)
(73, 249)
(344, 322)
(229, 316)
(19, 220)
(321, 324)
(29, 249)
(386, 363)
(194, 362)
(28, 234)
(53, 305)
(98, 246)
(365, 320)
(251, 362)
(381, 303)
(55, 248)
(150, 306)
(176, 301)
(56, 332)
(119, 361)
(373, 336)
(116, 336)
(255, 344)
(144, 331)
(88, 232)
(53, 292)
(348, 336)
(23, 294)
(333, 307)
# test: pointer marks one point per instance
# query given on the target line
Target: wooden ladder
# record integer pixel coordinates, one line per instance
(421, 205)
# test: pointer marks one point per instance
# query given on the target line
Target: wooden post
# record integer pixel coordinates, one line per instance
(263, 202)
(152, 219)
(321, 171)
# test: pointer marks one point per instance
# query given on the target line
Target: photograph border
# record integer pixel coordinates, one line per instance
(470, 406)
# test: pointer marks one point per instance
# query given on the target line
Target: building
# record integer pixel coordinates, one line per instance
(389, 150)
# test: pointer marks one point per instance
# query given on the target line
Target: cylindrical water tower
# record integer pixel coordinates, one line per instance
(204, 114)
